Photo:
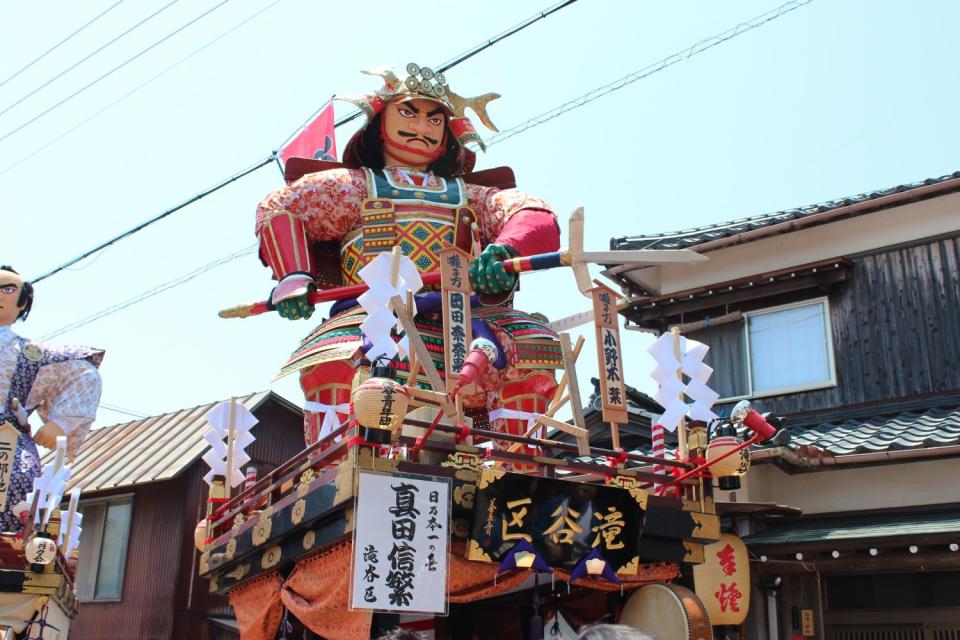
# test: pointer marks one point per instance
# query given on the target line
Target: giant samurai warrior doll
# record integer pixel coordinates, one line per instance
(61, 383)
(404, 181)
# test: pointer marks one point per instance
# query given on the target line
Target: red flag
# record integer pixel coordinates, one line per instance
(316, 141)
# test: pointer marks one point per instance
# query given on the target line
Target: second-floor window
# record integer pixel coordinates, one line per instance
(103, 547)
(772, 351)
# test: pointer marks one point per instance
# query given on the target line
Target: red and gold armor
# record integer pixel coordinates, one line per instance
(412, 209)
(367, 208)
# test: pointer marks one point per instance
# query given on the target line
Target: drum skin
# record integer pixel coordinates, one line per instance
(668, 612)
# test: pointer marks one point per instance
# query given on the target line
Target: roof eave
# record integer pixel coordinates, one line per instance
(856, 208)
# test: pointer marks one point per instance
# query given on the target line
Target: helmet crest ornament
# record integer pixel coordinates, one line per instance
(425, 83)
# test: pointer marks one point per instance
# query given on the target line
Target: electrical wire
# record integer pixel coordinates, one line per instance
(689, 52)
(115, 69)
(135, 90)
(62, 42)
(694, 49)
(156, 218)
(116, 409)
(273, 155)
(176, 282)
(520, 26)
(90, 55)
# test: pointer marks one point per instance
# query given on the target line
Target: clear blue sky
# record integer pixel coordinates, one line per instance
(833, 99)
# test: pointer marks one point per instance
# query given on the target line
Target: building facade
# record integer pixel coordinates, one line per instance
(143, 495)
(845, 318)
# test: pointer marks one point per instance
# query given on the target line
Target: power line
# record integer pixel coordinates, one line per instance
(689, 52)
(156, 218)
(88, 56)
(176, 282)
(121, 410)
(694, 49)
(273, 155)
(133, 91)
(520, 26)
(62, 42)
(115, 69)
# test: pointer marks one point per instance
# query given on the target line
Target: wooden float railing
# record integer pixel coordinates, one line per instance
(326, 451)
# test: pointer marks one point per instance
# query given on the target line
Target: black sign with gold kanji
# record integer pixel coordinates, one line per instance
(563, 520)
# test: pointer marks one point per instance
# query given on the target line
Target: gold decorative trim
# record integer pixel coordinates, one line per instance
(460, 528)
(239, 572)
(631, 568)
(213, 583)
(475, 552)
(238, 520)
(205, 562)
(489, 476)
(467, 464)
(707, 506)
(231, 549)
(270, 557)
(298, 511)
(309, 539)
(638, 493)
(464, 496)
(261, 531)
(303, 488)
(694, 552)
(709, 525)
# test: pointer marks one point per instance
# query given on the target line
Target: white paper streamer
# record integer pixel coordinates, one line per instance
(691, 365)
(376, 302)
(216, 437)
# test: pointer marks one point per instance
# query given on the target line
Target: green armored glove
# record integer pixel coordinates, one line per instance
(487, 274)
(291, 296)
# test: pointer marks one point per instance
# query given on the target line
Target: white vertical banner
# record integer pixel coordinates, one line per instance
(400, 543)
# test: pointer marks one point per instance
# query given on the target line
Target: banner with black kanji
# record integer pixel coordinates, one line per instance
(400, 543)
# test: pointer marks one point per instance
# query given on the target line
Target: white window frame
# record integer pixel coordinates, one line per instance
(98, 545)
(824, 303)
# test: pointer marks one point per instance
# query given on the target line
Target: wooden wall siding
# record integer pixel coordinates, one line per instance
(279, 437)
(150, 577)
(163, 597)
(896, 330)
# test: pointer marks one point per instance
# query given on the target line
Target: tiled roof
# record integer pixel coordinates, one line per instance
(148, 450)
(848, 529)
(921, 428)
(934, 427)
(638, 402)
(700, 235)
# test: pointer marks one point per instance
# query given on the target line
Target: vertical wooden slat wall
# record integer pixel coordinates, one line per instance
(896, 329)
(163, 598)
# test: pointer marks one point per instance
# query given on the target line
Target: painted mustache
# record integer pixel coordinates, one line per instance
(413, 136)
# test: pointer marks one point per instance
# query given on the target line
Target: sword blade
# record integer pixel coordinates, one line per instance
(640, 257)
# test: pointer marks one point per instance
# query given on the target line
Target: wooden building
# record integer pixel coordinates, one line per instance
(845, 317)
(143, 494)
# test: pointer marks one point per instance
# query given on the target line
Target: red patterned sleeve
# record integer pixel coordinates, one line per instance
(510, 217)
(326, 202)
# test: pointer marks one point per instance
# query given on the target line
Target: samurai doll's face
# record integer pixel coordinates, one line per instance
(11, 285)
(413, 133)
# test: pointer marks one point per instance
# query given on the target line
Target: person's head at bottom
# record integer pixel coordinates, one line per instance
(399, 633)
(612, 632)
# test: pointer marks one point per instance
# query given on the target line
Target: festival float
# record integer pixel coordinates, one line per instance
(39, 536)
(434, 487)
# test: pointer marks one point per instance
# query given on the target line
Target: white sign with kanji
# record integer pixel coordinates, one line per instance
(400, 544)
